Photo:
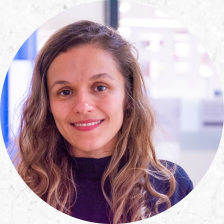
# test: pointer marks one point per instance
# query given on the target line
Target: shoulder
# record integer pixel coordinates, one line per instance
(184, 184)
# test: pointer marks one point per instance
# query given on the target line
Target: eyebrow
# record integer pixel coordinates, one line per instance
(59, 82)
(102, 75)
(94, 77)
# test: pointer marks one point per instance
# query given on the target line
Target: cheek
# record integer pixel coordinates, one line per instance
(115, 107)
(59, 111)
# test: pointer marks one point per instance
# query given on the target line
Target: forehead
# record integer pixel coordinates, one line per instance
(85, 56)
(82, 62)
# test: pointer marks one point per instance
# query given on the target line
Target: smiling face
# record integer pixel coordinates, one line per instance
(87, 94)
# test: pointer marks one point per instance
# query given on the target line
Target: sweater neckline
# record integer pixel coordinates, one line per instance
(90, 167)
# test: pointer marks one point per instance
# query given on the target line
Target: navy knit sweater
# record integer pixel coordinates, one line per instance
(91, 205)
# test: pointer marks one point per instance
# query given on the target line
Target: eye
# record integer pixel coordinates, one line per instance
(65, 92)
(100, 88)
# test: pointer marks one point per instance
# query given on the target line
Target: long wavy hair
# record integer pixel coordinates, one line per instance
(43, 159)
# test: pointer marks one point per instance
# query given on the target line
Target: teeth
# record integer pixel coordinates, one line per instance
(88, 124)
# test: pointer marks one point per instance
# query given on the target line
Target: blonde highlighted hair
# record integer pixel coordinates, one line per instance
(43, 159)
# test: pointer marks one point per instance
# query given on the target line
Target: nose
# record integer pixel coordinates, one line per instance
(83, 103)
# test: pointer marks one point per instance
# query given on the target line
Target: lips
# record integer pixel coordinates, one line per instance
(87, 125)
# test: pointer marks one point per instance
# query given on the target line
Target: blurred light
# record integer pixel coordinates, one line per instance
(205, 71)
(161, 14)
(155, 40)
(182, 67)
(169, 23)
(154, 69)
(182, 49)
(41, 43)
(151, 36)
(155, 92)
(124, 31)
(154, 46)
(181, 37)
(124, 7)
(201, 49)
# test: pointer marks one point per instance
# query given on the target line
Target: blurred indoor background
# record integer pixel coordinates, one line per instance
(181, 82)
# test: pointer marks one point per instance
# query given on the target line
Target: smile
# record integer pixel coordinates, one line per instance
(87, 125)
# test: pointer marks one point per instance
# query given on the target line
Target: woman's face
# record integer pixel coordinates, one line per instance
(86, 93)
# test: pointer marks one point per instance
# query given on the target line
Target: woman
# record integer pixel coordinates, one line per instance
(85, 143)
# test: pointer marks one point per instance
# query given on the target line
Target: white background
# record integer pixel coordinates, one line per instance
(204, 19)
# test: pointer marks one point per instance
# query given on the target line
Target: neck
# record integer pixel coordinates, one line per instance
(89, 151)
(97, 154)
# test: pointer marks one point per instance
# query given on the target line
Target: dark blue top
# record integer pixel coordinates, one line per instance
(91, 205)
